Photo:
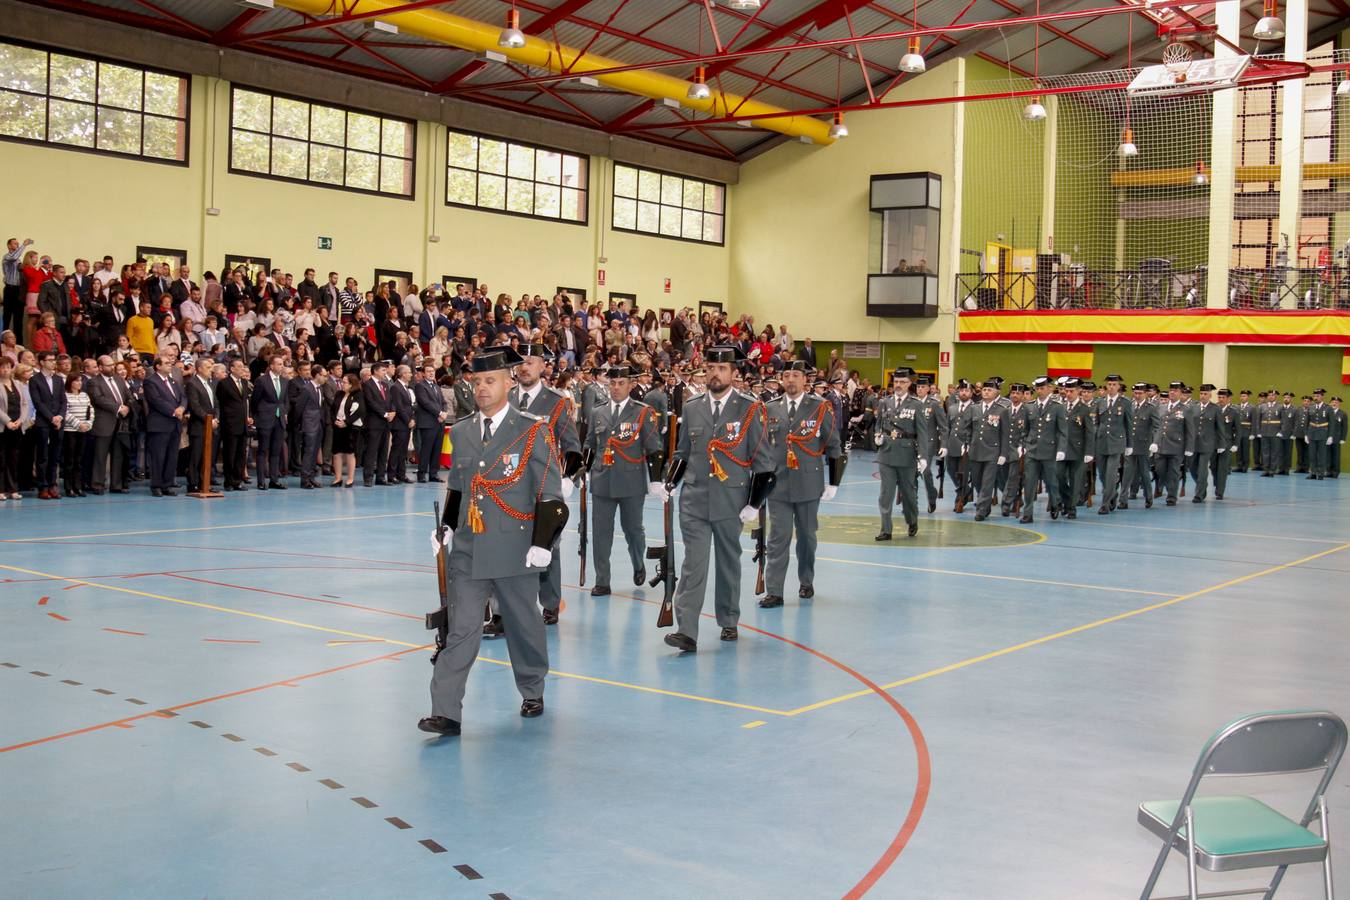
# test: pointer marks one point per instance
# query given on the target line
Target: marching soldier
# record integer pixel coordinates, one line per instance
(1079, 445)
(937, 427)
(1115, 432)
(724, 462)
(1017, 434)
(1270, 423)
(1337, 429)
(623, 454)
(1138, 464)
(1230, 416)
(1245, 415)
(952, 450)
(593, 393)
(1319, 436)
(1301, 434)
(504, 513)
(533, 396)
(984, 434)
(902, 440)
(1289, 421)
(805, 444)
(1211, 441)
(1173, 440)
(1087, 395)
(1046, 442)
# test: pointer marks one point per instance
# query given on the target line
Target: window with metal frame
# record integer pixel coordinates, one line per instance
(518, 179)
(275, 136)
(81, 102)
(673, 206)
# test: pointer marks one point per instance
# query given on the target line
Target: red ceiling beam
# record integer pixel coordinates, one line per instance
(124, 17)
(174, 17)
(330, 21)
(236, 26)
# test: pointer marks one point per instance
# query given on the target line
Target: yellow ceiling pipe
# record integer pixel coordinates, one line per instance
(478, 37)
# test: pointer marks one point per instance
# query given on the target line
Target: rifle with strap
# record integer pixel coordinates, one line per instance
(439, 620)
(665, 556)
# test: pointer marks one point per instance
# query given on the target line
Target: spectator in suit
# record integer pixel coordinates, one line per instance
(808, 353)
(330, 387)
(110, 397)
(232, 397)
(84, 285)
(201, 404)
(401, 426)
(348, 427)
(182, 287)
(432, 413)
(47, 390)
(53, 296)
(379, 413)
(307, 410)
(268, 405)
(165, 409)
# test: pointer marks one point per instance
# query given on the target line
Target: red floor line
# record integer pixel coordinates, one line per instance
(42, 601)
(58, 616)
(288, 682)
(120, 631)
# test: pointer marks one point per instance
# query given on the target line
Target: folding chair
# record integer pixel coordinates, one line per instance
(1226, 833)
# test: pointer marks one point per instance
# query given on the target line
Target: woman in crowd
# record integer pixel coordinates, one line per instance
(261, 289)
(440, 344)
(10, 348)
(390, 329)
(76, 426)
(264, 312)
(46, 337)
(167, 334)
(27, 437)
(33, 276)
(305, 317)
(14, 418)
(257, 342)
(301, 352)
(353, 344)
(286, 316)
(651, 328)
(348, 430)
(123, 349)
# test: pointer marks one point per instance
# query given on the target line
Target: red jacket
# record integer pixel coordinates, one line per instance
(48, 339)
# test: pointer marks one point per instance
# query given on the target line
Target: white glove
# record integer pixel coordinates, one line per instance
(1129, 451)
(876, 438)
(1021, 452)
(1087, 459)
(538, 558)
(435, 540)
(1279, 434)
(1152, 448)
(1223, 449)
(829, 492)
(942, 453)
(566, 487)
(1190, 452)
(1328, 442)
(1002, 460)
(1233, 448)
(1059, 457)
(748, 513)
(964, 448)
(923, 466)
(656, 489)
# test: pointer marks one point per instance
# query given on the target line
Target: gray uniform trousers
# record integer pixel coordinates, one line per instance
(1200, 466)
(1139, 474)
(701, 537)
(1040, 470)
(550, 583)
(1272, 454)
(1169, 472)
(1109, 467)
(1070, 484)
(1013, 487)
(525, 638)
(983, 479)
(783, 518)
(602, 526)
(906, 479)
(930, 485)
(1220, 468)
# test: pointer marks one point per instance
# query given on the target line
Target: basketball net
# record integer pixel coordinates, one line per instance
(1177, 58)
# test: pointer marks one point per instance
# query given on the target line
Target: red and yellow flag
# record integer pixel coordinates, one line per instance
(446, 448)
(1345, 367)
(1068, 359)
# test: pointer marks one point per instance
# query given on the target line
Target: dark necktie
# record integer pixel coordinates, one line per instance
(717, 411)
(487, 429)
(524, 400)
(792, 409)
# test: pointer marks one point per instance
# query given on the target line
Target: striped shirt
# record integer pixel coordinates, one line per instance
(78, 411)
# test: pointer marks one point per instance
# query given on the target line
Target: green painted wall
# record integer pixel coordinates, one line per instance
(1085, 204)
(1133, 362)
(1297, 369)
(893, 354)
(1014, 362)
(1002, 166)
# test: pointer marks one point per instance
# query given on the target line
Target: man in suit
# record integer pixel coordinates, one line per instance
(807, 353)
(1173, 439)
(533, 396)
(267, 403)
(985, 433)
(232, 397)
(307, 410)
(110, 396)
(903, 439)
(1046, 446)
(330, 297)
(52, 296)
(431, 416)
(84, 283)
(499, 545)
(201, 404)
(726, 467)
(156, 283)
(401, 426)
(624, 454)
(379, 413)
(806, 453)
(165, 408)
(181, 289)
(47, 388)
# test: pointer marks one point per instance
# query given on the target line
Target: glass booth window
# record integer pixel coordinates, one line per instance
(906, 212)
(909, 241)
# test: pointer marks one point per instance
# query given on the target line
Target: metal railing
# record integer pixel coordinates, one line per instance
(1324, 288)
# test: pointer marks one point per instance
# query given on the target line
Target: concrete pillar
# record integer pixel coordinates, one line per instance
(1222, 169)
(1049, 157)
(1291, 129)
(950, 264)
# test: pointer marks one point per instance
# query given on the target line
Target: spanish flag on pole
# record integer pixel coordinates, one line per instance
(1068, 359)
(446, 448)
(1345, 367)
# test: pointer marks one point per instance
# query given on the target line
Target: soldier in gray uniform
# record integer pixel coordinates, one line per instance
(1289, 424)
(1211, 441)
(1270, 425)
(1229, 416)
(1318, 436)
(1078, 448)
(902, 440)
(724, 461)
(952, 449)
(503, 509)
(1046, 440)
(984, 432)
(593, 393)
(1173, 439)
(623, 455)
(1017, 434)
(1338, 428)
(1245, 415)
(533, 396)
(1139, 465)
(937, 427)
(465, 404)
(805, 444)
(1115, 436)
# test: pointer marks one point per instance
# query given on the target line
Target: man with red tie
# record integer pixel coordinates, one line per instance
(380, 414)
(164, 423)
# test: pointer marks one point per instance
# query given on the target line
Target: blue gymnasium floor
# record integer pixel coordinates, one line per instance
(219, 699)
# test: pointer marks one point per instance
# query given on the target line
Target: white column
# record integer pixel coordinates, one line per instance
(1291, 129)
(1049, 157)
(1222, 169)
(950, 265)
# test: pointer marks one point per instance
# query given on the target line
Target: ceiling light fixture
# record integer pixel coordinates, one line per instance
(1127, 146)
(1034, 111)
(699, 90)
(838, 129)
(1270, 27)
(256, 4)
(1200, 177)
(743, 5)
(913, 62)
(511, 36)
(381, 26)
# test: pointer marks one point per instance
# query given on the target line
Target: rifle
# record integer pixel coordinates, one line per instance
(961, 476)
(757, 535)
(439, 621)
(581, 528)
(941, 475)
(1092, 482)
(665, 556)
(1021, 483)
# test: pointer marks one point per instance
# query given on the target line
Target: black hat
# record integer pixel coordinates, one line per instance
(1245, 391)
(926, 380)
(1018, 386)
(1115, 378)
(995, 380)
(495, 359)
(837, 378)
(1206, 387)
(796, 365)
(1041, 381)
(1186, 389)
(1289, 393)
(1140, 386)
(1071, 382)
(1306, 397)
(1152, 386)
(539, 350)
(379, 364)
(723, 353)
(962, 383)
(1176, 385)
(597, 372)
(904, 372)
(620, 371)
(1225, 392)
(1088, 385)
(1319, 392)
(1337, 399)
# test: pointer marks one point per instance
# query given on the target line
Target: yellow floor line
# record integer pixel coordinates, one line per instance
(370, 637)
(1067, 632)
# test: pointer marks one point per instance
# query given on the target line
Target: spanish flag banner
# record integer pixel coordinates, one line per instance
(1068, 359)
(447, 448)
(1345, 367)
(1325, 328)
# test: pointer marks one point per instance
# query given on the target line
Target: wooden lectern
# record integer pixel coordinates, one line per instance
(208, 436)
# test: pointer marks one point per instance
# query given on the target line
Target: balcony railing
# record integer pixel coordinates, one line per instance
(1326, 287)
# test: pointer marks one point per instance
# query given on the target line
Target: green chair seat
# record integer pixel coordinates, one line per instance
(1236, 832)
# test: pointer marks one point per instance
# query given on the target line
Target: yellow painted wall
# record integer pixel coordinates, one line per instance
(801, 231)
(150, 204)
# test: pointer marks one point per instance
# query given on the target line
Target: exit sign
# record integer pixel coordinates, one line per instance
(325, 243)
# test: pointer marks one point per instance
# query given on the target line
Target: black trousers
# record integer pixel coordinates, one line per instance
(196, 453)
(48, 455)
(376, 459)
(398, 453)
(13, 310)
(429, 452)
(310, 442)
(161, 457)
(10, 439)
(72, 460)
(233, 451)
(271, 435)
(110, 449)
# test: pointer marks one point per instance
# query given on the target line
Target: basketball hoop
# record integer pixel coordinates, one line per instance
(1180, 73)
(1177, 58)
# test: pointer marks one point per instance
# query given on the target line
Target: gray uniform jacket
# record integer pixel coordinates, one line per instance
(1080, 426)
(1144, 423)
(904, 430)
(1175, 432)
(736, 445)
(811, 437)
(937, 424)
(621, 446)
(1115, 426)
(502, 479)
(951, 435)
(986, 432)
(1019, 421)
(551, 406)
(1209, 429)
(1047, 429)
